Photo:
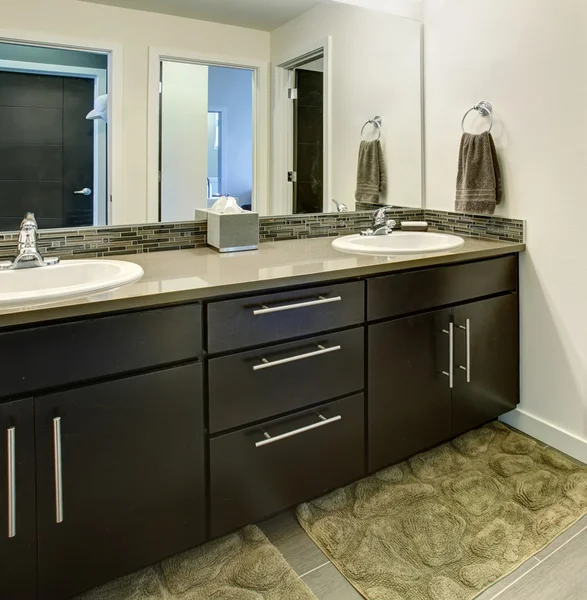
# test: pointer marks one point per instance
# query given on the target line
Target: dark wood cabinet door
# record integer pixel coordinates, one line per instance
(409, 396)
(18, 522)
(487, 343)
(132, 477)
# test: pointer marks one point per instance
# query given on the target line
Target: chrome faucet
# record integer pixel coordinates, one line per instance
(28, 254)
(381, 225)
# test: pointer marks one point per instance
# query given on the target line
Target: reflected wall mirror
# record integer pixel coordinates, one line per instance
(264, 102)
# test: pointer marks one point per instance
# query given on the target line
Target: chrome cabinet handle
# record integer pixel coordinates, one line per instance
(467, 330)
(58, 470)
(11, 442)
(451, 345)
(84, 192)
(265, 310)
(271, 440)
(321, 350)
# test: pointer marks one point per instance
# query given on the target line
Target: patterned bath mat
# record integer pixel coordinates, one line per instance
(241, 566)
(449, 523)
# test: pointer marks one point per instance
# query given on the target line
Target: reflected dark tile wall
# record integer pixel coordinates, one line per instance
(309, 188)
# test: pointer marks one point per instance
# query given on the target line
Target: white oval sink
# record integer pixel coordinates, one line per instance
(68, 279)
(399, 242)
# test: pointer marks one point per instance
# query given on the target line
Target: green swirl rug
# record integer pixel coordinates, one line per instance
(449, 523)
(241, 566)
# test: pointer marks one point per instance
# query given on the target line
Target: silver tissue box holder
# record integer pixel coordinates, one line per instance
(231, 232)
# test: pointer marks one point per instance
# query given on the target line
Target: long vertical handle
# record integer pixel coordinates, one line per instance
(467, 330)
(451, 358)
(11, 442)
(58, 470)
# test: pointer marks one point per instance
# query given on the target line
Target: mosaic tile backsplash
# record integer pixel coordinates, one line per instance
(136, 239)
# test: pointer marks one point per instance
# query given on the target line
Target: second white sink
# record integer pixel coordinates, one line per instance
(399, 242)
(66, 280)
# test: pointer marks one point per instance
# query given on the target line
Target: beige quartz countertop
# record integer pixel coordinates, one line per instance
(184, 275)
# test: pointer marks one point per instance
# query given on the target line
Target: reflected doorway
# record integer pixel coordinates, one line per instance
(308, 151)
(206, 137)
(53, 141)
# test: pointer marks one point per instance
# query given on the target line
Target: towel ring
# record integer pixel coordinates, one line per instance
(485, 109)
(377, 122)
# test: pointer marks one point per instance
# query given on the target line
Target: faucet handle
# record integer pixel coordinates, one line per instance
(29, 219)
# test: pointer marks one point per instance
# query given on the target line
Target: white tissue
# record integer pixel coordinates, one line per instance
(227, 205)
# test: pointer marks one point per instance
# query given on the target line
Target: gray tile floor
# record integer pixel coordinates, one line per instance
(559, 572)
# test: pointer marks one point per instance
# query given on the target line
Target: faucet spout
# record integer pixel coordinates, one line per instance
(28, 253)
(381, 225)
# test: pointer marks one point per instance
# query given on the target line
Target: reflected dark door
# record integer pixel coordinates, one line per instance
(46, 150)
(308, 189)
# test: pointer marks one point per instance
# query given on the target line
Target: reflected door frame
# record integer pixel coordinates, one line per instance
(115, 167)
(260, 120)
(282, 130)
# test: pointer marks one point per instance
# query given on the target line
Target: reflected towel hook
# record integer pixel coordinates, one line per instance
(376, 122)
(485, 109)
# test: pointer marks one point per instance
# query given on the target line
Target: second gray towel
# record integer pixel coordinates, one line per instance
(479, 187)
(371, 174)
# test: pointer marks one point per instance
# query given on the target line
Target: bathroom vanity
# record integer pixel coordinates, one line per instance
(133, 435)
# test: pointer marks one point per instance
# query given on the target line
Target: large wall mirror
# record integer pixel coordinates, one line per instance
(287, 134)
(266, 102)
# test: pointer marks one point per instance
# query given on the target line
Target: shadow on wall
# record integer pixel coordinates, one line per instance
(559, 393)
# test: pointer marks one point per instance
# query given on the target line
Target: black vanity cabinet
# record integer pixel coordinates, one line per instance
(18, 530)
(409, 396)
(120, 472)
(487, 361)
(438, 374)
(129, 438)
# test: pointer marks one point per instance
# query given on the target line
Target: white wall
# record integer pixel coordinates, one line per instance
(411, 9)
(375, 71)
(184, 137)
(529, 58)
(231, 92)
(135, 31)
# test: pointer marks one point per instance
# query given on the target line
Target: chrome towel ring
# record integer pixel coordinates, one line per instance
(376, 122)
(485, 109)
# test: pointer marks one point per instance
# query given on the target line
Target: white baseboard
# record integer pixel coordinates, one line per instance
(550, 434)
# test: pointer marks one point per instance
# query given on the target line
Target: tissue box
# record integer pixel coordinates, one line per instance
(231, 232)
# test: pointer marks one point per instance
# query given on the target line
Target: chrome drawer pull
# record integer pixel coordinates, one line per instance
(58, 470)
(451, 360)
(10, 435)
(321, 350)
(271, 440)
(265, 310)
(467, 330)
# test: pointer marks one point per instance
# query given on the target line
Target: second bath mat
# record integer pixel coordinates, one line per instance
(241, 566)
(449, 523)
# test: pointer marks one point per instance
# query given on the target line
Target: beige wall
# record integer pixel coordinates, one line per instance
(375, 61)
(529, 58)
(135, 31)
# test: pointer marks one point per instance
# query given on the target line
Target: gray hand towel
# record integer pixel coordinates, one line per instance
(371, 175)
(479, 186)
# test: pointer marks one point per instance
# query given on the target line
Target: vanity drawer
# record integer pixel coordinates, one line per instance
(403, 293)
(257, 320)
(244, 389)
(249, 482)
(67, 353)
